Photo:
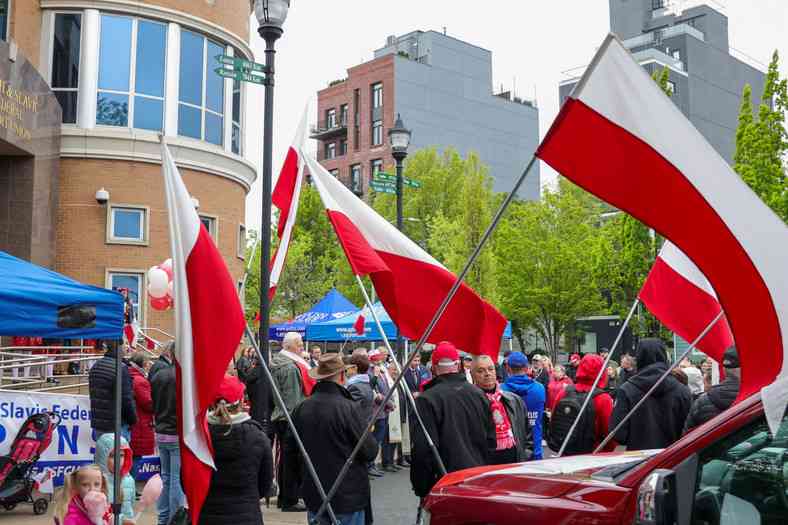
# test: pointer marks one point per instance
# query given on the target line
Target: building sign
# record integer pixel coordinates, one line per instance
(17, 110)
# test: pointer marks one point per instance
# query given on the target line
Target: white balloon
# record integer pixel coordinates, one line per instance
(152, 269)
(166, 264)
(170, 290)
(157, 282)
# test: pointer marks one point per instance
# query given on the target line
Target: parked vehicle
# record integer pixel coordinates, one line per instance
(728, 471)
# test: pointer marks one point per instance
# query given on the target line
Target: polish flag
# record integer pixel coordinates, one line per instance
(411, 284)
(621, 138)
(680, 296)
(209, 323)
(358, 326)
(285, 197)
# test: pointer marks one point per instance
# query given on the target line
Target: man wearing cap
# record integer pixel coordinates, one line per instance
(330, 425)
(532, 393)
(719, 397)
(457, 415)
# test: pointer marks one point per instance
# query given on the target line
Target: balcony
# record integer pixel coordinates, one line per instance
(655, 38)
(329, 129)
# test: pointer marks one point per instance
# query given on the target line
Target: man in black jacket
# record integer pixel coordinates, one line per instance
(457, 416)
(719, 397)
(101, 384)
(330, 425)
(660, 419)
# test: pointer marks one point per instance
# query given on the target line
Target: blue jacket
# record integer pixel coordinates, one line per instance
(533, 395)
(105, 446)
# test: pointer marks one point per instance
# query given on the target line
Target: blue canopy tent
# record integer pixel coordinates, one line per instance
(332, 306)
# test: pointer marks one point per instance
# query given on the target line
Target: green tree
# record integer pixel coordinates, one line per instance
(762, 143)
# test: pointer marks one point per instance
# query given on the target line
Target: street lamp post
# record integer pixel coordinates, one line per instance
(271, 15)
(399, 138)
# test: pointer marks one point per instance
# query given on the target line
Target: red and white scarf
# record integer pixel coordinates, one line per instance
(307, 383)
(503, 427)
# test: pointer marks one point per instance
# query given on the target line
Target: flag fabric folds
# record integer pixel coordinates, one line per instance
(358, 326)
(619, 137)
(411, 284)
(285, 197)
(680, 296)
(209, 323)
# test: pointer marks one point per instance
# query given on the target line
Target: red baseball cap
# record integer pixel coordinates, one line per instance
(445, 354)
(231, 390)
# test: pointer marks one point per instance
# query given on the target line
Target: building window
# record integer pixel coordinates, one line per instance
(343, 115)
(377, 95)
(241, 252)
(132, 56)
(331, 118)
(236, 132)
(4, 19)
(377, 133)
(210, 222)
(356, 120)
(334, 173)
(375, 167)
(671, 88)
(676, 53)
(342, 147)
(201, 90)
(355, 179)
(127, 225)
(65, 63)
(131, 281)
(657, 4)
(331, 150)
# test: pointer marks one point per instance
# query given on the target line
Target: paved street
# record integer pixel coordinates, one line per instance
(394, 503)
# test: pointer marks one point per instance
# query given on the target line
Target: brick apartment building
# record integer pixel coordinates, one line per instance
(442, 87)
(107, 77)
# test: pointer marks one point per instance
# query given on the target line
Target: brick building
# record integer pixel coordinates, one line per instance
(123, 72)
(442, 88)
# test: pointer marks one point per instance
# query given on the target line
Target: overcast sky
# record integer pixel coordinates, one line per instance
(531, 42)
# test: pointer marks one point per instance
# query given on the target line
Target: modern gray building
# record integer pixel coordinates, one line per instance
(705, 77)
(442, 88)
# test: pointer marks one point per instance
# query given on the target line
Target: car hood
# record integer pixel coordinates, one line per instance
(547, 478)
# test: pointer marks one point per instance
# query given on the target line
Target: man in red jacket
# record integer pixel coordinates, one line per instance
(587, 371)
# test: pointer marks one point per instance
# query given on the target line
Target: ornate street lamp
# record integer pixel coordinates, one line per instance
(399, 138)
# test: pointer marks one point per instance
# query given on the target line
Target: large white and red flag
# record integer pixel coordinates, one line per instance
(411, 284)
(681, 297)
(209, 323)
(621, 138)
(285, 197)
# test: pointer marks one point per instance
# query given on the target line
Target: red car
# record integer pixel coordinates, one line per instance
(729, 471)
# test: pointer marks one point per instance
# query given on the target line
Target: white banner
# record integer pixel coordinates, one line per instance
(73, 442)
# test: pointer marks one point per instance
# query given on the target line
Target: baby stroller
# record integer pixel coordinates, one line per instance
(16, 481)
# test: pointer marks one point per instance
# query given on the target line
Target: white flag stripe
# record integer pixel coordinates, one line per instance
(682, 265)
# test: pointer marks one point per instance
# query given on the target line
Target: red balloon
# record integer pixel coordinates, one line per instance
(160, 303)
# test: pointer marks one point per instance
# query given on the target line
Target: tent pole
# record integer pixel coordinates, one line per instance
(116, 452)
(403, 387)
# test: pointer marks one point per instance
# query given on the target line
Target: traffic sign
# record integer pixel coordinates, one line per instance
(383, 187)
(383, 176)
(240, 63)
(240, 75)
(411, 183)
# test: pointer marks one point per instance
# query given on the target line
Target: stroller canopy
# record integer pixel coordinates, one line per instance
(38, 302)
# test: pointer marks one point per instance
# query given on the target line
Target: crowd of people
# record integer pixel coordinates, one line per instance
(476, 412)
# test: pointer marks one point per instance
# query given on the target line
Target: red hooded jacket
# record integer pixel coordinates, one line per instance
(603, 404)
(142, 432)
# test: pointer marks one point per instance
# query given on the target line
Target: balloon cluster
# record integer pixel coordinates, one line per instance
(160, 286)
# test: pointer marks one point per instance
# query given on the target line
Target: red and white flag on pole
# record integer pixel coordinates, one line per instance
(411, 284)
(358, 326)
(621, 138)
(285, 197)
(209, 323)
(680, 296)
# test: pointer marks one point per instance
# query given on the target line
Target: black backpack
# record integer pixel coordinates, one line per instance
(564, 415)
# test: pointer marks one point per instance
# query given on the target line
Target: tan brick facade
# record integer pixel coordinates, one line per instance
(82, 249)
(228, 14)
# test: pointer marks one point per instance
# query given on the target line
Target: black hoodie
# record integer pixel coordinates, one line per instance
(717, 399)
(660, 419)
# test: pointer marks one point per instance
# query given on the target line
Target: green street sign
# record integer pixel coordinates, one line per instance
(240, 63)
(383, 176)
(240, 75)
(392, 191)
(411, 183)
(383, 187)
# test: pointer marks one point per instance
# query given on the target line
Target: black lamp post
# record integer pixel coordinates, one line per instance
(399, 138)
(271, 15)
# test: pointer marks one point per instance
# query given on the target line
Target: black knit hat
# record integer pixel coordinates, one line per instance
(730, 359)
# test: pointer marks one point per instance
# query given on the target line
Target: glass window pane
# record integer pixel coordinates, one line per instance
(68, 102)
(236, 101)
(65, 53)
(127, 224)
(151, 45)
(214, 84)
(148, 113)
(132, 282)
(236, 139)
(112, 109)
(213, 128)
(190, 84)
(189, 121)
(115, 53)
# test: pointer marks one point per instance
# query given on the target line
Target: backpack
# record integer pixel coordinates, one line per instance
(564, 415)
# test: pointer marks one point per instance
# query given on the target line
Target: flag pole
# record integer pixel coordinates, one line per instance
(659, 381)
(404, 388)
(281, 403)
(436, 317)
(598, 377)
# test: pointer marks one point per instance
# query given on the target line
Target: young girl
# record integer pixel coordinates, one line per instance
(70, 508)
